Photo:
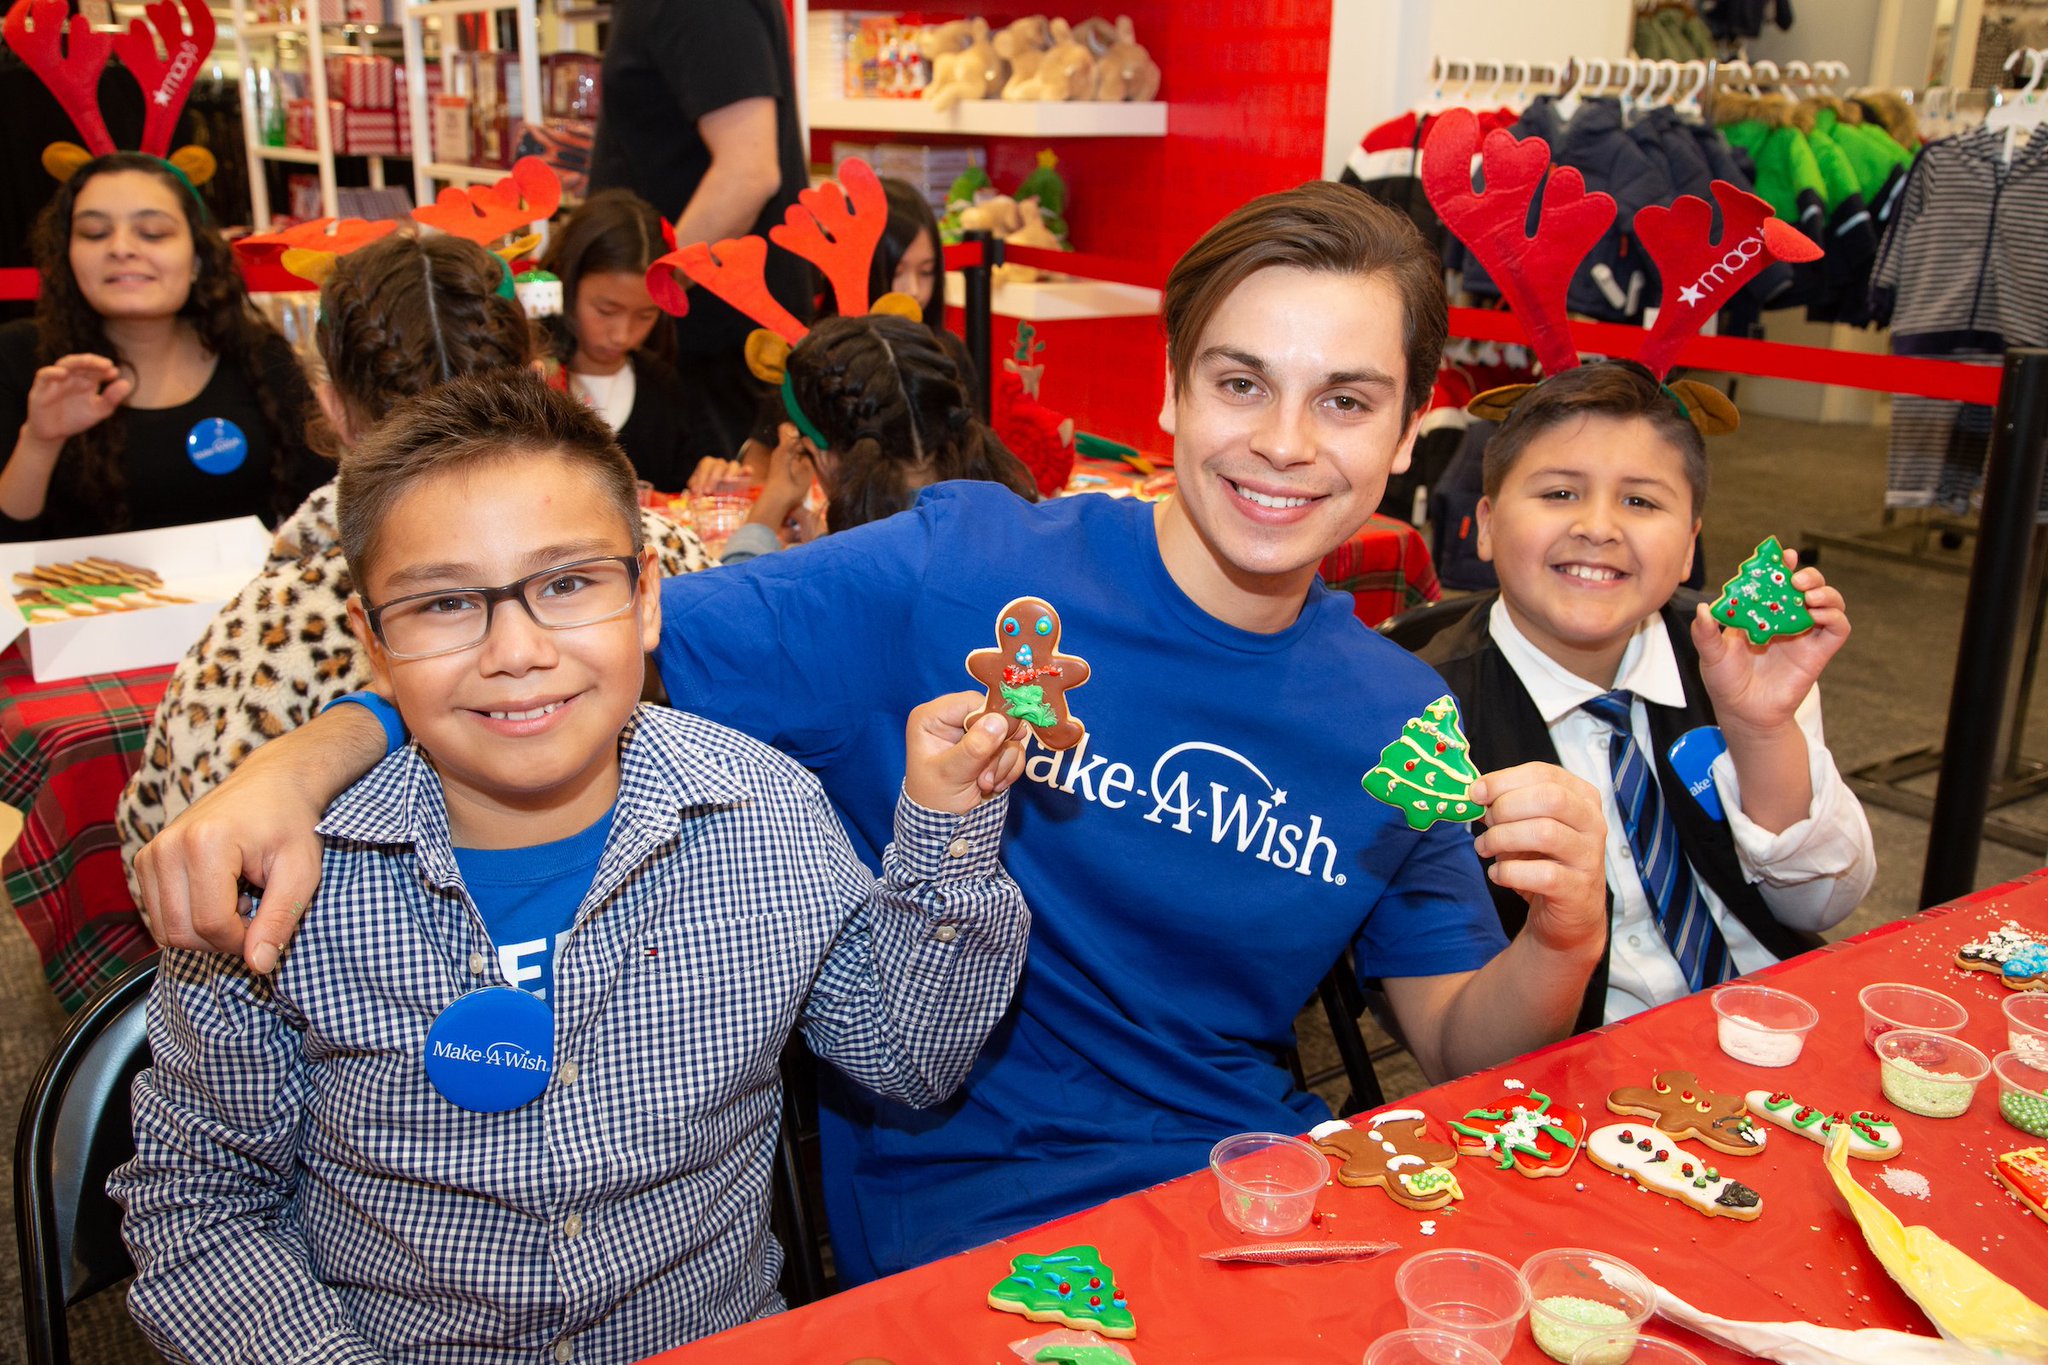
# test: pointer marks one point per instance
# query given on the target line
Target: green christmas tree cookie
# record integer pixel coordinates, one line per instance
(1761, 600)
(1071, 1287)
(1427, 773)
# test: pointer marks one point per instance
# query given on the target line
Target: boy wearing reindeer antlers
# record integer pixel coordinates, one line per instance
(1731, 838)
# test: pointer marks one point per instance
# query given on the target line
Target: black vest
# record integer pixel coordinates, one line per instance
(1506, 729)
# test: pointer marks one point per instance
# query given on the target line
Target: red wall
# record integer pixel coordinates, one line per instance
(1244, 85)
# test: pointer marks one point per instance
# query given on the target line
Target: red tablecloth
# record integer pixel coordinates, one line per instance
(1385, 566)
(70, 748)
(1804, 1258)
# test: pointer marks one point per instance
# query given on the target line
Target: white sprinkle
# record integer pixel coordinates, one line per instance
(1513, 1085)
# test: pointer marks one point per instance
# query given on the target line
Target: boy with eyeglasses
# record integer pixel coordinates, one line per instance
(513, 1092)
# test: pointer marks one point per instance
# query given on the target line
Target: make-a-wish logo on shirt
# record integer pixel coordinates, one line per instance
(1245, 812)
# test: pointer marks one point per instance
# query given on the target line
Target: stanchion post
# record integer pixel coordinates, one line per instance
(978, 314)
(1991, 625)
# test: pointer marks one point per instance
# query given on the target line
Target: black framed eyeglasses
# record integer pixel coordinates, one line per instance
(449, 620)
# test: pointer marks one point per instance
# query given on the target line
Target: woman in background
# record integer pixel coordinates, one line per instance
(146, 391)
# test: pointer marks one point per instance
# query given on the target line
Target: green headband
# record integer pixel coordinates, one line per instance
(796, 415)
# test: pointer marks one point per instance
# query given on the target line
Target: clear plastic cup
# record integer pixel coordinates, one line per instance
(2026, 1024)
(1889, 1005)
(2022, 1092)
(1576, 1295)
(1414, 1347)
(1268, 1182)
(716, 517)
(1466, 1293)
(1763, 1026)
(1614, 1349)
(1929, 1074)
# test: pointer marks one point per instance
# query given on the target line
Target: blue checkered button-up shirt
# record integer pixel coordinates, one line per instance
(301, 1193)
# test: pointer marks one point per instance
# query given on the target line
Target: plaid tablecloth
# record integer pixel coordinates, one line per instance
(1385, 566)
(69, 750)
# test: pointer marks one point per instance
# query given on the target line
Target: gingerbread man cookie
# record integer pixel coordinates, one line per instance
(1026, 676)
(1683, 1108)
(1397, 1151)
(1655, 1161)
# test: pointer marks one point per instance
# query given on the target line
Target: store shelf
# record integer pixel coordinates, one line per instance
(445, 8)
(1061, 301)
(994, 118)
(462, 173)
(298, 156)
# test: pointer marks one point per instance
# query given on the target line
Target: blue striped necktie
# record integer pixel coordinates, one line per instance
(1668, 878)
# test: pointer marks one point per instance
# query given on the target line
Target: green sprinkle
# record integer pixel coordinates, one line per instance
(1931, 1094)
(1565, 1322)
(2028, 1113)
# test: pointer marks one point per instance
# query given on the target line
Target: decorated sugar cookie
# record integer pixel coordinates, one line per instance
(1427, 773)
(1654, 1160)
(1521, 1131)
(1991, 952)
(1761, 600)
(1398, 1150)
(2026, 969)
(1683, 1108)
(1071, 1287)
(2025, 1173)
(1026, 676)
(1872, 1137)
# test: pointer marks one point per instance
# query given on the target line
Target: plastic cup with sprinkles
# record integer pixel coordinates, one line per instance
(1414, 1347)
(1635, 1350)
(1889, 1005)
(1761, 1025)
(2022, 1092)
(2026, 1025)
(1576, 1295)
(1930, 1074)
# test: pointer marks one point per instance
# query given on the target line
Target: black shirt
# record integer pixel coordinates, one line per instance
(658, 436)
(163, 486)
(667, 64)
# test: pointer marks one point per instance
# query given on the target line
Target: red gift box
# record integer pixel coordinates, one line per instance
(376, 132)
(363, 82)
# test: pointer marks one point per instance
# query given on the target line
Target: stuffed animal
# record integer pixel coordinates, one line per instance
(1125, 71)
(1098, 33)
(1065, 72)
(996, 214)
(1031, 232)
(1040, 437)
(1023, 45)
(976, 72)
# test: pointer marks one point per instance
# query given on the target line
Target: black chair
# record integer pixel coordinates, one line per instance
(75, 1129)
(1417, 626)
(796, 1213)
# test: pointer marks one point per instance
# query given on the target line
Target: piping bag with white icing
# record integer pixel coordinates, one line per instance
(1982, 1319)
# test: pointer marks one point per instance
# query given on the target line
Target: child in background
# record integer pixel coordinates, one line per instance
(667, 899)
(1591, 657)
(396, 317)
(890, 416)
(614, 356)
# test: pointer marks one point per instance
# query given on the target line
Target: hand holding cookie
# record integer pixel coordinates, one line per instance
(957, 756)
(72, 394)
(1760, 685)
(1547, 838)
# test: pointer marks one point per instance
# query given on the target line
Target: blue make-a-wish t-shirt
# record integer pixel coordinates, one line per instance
(1194, 866)
(528, 898)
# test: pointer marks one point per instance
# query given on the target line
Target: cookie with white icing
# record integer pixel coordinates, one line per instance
(1653, 1160)
(1873, 1137)
(1398, 1150)
(1991, 952)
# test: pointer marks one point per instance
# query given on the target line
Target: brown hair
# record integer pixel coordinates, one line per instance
(895, 415)
(468, 422)
(217, 306)
(614, 231)
(406, 313)
(1320, 226)
(1620, 389)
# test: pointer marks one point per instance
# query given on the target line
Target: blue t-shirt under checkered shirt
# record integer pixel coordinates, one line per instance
(529, 897)
(1193, 866)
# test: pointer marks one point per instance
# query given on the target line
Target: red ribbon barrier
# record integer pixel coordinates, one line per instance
(17, 284)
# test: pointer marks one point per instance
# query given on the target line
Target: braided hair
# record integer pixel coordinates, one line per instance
(895, 416)
(217, 307)
(405, 314)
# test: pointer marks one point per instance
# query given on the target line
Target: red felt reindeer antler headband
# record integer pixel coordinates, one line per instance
(1534, 272)
(835, 227)
(69, 57)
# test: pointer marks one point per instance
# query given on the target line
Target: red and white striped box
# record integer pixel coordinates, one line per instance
(363, 82)
(375, 132)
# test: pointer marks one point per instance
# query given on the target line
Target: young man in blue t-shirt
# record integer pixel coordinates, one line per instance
(1201, 859)
(514, 1092)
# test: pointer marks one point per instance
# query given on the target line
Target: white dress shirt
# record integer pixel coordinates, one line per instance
(609, 395)
(1811, 874)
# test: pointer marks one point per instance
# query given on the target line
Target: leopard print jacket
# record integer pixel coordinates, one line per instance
(272, 658)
